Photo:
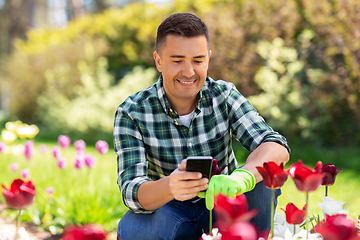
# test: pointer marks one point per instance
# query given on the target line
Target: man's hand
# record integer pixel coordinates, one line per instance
(186, 185)
(240, 181)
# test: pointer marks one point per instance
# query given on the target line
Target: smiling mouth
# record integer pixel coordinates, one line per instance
(187, 82)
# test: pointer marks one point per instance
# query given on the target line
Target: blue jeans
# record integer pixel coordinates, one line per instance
(189, 219)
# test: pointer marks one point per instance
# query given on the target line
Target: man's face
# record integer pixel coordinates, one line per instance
(183, 63)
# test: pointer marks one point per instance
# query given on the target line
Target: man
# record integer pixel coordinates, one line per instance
(186, 114)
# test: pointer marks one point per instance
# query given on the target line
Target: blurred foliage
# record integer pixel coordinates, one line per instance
(309, 91)
(91, 109)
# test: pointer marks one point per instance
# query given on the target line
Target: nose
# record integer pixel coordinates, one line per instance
(188, 70)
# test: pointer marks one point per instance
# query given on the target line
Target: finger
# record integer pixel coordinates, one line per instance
(184, 197)
(182, 166)
(188, 186)
(184, 175)
(181, 192)
(191, 176)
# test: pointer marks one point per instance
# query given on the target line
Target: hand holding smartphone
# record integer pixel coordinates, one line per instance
(202, 164)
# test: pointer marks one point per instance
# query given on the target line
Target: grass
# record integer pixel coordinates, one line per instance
(92, 195)
(80, 196)
(344, 190)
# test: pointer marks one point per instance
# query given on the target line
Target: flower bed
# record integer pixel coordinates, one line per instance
(233, 215)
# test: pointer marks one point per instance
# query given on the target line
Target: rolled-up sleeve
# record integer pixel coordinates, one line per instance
(131, 159)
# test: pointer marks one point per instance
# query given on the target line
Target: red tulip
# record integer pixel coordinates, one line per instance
(86, 232)
(215, 168)
(274, 175)
(294, 215)
(231, 210)
(306, 180)
(337, 227)
(20, 195)
(240, 230)
(330, 173)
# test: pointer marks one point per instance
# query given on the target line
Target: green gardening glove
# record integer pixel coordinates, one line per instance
(226, 185)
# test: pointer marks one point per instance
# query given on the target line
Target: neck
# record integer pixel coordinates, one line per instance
(184, 107)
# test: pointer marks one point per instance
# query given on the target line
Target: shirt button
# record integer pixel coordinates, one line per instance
(190, 144)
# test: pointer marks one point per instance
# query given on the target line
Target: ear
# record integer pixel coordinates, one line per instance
(209, 53)
(157, 60)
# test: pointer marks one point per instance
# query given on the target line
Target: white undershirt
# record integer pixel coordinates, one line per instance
(186, 119)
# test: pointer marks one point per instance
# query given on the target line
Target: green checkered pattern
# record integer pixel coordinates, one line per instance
(150, 141)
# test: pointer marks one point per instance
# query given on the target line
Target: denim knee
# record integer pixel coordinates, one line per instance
(260, 199)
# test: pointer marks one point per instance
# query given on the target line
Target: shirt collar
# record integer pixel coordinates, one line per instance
(162, 96)
(201, 104)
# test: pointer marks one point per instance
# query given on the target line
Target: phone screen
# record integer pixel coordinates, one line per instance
(202, 164)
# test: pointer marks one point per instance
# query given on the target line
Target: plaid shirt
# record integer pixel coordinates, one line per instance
(150, 141)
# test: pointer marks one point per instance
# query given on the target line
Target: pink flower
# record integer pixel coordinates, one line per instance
(50, 190)
(79, 162)
(80, 152)
(80, 144)
(29, 149)
(14, 167)
(102, 146)
(2, 147)
(61, 162)
(64, 141)
(43, 148)
(89, 160)
(56, 151)
(25, 173)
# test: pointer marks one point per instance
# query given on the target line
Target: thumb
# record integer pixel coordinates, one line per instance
(182, 166)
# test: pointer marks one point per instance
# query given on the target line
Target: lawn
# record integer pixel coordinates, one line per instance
(92, 195)
(86, 195)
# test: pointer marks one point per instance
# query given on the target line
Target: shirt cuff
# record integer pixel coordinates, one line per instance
(130, 195)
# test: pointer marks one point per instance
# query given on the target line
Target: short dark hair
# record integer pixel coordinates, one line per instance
(181, 24)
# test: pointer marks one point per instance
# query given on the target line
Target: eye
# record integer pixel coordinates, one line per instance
(198, 61)
(177, 61)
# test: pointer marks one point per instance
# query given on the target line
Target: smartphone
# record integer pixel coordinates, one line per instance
(202, 164)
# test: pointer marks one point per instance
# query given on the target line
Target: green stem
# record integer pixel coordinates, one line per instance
(294, 229)
(272, 212)
(326, 191)
(18, 223)
(210, 223)
(306, 215)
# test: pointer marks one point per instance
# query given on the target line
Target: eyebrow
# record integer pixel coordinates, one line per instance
(182, 56)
